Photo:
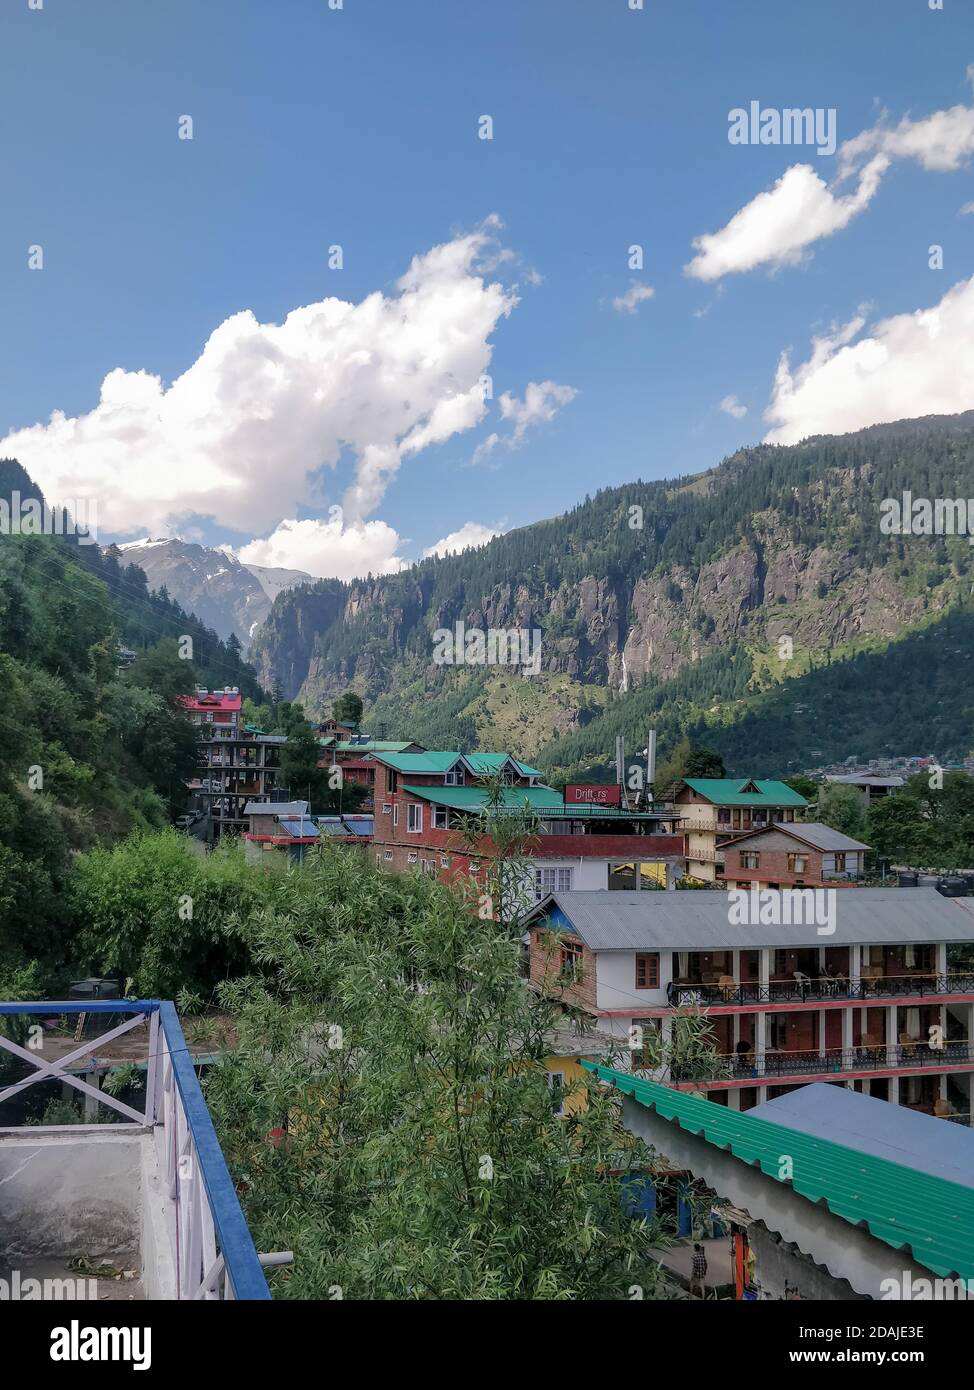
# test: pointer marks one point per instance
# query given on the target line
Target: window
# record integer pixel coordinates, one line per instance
(388, 856)
(378, 860)
(441, 818)
(840, 863)
(552, 881)
(475, 868)
(393, 781)
(750, 859)
(444, 862)
(647, 971)
(395, 814)
(414, 822)
(797, 863)
(387, 808)
(411, 857)
(571, 960)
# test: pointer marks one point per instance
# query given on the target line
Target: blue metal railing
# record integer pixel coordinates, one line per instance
(240, 1257)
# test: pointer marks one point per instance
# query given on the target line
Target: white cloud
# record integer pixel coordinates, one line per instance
(730, 405)
(776, 227)
(328, 550)
(914, 364)
(542, 402)
(629, 302)
(966, 209)
(469, 535)
(264, 406)
(941, 142)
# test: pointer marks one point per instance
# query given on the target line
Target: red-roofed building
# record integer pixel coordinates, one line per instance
(240, 763)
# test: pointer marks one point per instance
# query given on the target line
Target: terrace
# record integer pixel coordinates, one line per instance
(146, 1191)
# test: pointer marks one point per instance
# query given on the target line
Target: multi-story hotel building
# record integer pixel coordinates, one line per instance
(879, 1005)
(239, 763)
(423, 800)
(715, 809)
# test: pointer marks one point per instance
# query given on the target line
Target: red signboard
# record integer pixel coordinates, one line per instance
(592, 794)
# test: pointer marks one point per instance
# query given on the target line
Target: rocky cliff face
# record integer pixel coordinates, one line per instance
(775, 543)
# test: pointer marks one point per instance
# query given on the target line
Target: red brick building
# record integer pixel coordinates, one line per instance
(423, 800)
(792, 856)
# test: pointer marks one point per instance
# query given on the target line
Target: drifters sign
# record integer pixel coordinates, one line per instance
(592, 794)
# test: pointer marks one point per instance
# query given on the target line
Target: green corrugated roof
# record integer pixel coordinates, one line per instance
(435, 761)
(726, 791)
(927, 1216)
(471, 798)
(426, 764)
(541, 799)
(374, 746)
(487, 763)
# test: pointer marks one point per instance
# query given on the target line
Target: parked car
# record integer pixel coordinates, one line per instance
(183, 822)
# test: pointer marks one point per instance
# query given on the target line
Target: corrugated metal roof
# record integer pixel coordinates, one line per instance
(812, 832)
(472, 798)
(909, 1210)
(275, 808)
(876, 1127)
(699, 921)
(727, 791)
(852, 779)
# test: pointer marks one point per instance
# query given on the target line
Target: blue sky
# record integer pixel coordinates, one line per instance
(359, 127)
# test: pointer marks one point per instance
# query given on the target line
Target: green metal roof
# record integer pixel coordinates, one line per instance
(374, 746)
(433, 762)
(473, 798)
(545, 800)
(426, 764)
(727, 791)
(925, 1215)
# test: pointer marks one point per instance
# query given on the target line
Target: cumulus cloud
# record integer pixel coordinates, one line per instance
(730, 405)
(912, 364)
(967, 209)
(941, 142)
(327, 549)
(470, 535)
(240, 434)
(778, 226)
(629, 302)
(542, 402)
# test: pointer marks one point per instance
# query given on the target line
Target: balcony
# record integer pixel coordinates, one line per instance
(147, 1192)
(827, 990)
(775, 1066)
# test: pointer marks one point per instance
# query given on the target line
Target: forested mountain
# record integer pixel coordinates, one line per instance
(684, 601)
(89, 748)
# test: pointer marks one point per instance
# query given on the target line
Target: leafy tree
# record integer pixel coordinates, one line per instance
(388, 1033)
(347, 709)
(299, 764)
(843, 808)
